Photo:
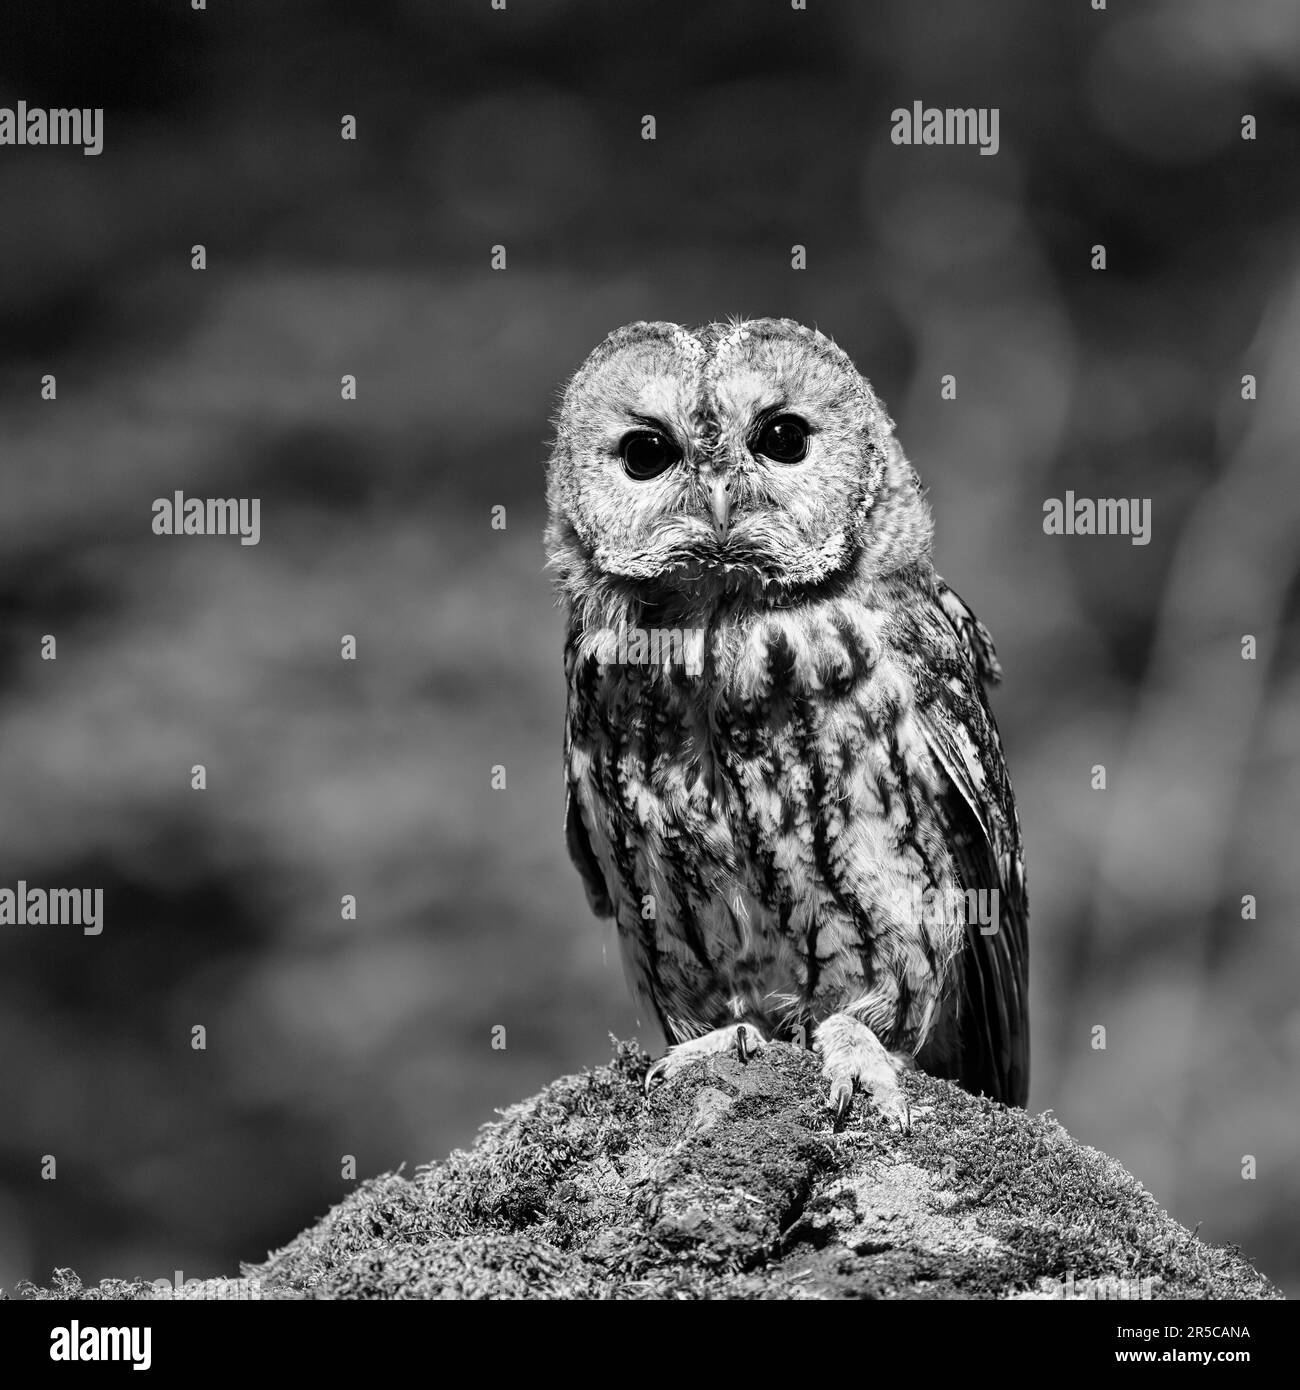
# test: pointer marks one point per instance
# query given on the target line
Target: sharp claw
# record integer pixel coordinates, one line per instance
(840, 1097)
(742, 1040)
(896, 1111)
(853, 1055)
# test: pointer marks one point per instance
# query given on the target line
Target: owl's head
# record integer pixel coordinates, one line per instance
(747, 458)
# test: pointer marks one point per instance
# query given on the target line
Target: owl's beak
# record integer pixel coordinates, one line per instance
(720, 500)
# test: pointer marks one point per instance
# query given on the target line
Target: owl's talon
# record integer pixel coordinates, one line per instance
(744, 1038)
(840, 1098)
(895, 1111)
(852, 1055)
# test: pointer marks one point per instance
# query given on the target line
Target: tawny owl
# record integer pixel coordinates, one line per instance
(784, 780)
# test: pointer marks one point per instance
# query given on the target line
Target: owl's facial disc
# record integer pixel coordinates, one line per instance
(741, 457)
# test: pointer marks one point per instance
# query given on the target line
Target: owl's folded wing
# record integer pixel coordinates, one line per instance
(978, 814)
(576, 835)
(584, 857)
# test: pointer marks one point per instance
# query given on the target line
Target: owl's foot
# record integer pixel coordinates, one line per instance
(853, 1055)
(742, 1038)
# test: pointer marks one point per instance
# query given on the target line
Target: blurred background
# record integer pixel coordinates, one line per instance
(522, 128)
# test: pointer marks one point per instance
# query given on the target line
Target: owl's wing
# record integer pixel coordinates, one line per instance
(582, 854)
(978, 816)
(576, 836)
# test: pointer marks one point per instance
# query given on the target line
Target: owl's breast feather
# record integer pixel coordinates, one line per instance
(763, 826)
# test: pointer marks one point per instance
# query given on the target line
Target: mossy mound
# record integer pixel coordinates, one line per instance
(730, 1182)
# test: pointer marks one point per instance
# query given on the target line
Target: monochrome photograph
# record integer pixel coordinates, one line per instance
(651, 652)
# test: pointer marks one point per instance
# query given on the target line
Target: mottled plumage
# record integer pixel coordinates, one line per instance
(782, 828)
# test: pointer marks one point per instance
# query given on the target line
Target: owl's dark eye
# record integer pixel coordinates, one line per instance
(783, 440)
(647, 453)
